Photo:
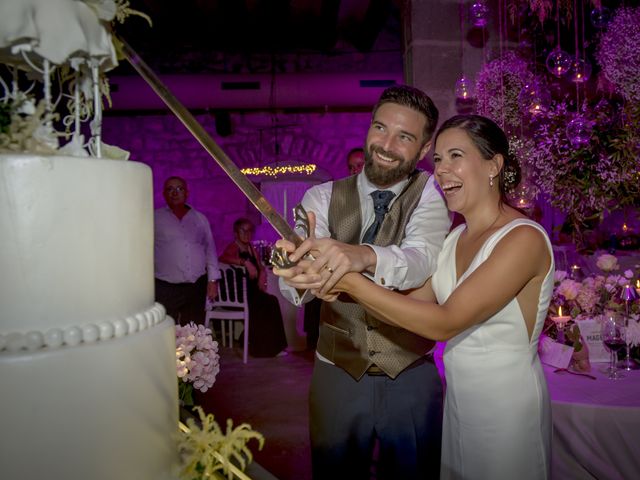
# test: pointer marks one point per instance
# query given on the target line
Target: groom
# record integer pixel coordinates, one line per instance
(375, 386)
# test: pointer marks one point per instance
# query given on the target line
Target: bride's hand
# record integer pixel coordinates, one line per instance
(344, 285)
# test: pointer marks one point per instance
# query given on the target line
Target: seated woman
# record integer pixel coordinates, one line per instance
(266, 332)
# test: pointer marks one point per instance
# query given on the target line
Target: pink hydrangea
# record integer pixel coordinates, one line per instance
(588, 297)
(197, 358)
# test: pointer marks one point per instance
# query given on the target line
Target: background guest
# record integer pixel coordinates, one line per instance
(355, 160)
(186, 267)
(266, 331)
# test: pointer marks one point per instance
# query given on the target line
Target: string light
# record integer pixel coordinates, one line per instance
(269, 171)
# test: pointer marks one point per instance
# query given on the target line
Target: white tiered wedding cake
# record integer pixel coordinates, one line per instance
(87, 359)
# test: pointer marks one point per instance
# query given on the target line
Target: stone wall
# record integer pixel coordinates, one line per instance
(256, 139)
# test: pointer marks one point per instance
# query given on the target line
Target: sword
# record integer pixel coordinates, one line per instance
(281, 226)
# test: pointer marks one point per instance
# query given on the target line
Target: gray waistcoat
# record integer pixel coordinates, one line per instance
(350, 337)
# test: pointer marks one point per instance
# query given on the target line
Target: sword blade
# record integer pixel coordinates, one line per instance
(197, 130)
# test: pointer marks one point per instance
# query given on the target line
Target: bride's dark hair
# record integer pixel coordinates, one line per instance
(490, 140)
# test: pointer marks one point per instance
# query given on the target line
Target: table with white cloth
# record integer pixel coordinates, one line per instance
(596, 425)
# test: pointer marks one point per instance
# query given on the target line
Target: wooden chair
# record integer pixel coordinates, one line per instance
(231, 305)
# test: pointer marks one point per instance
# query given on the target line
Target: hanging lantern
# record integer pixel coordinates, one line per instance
(524, 197)
(600, 17)
(533, 98)
(579, 132)
(479, 14)
(580, 71)
(463, 89)
(559, 62)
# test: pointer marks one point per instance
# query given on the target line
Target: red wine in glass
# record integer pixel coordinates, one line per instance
(613, 336)
(615, 344)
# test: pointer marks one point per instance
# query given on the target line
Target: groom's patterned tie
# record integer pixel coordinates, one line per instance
(381, 199)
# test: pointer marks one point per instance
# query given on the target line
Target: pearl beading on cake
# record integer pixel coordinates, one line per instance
(85, 334)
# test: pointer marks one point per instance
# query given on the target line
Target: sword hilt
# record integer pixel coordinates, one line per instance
(279, 257)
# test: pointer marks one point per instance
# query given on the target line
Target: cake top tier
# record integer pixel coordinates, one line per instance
(67, 46)
(58, 31)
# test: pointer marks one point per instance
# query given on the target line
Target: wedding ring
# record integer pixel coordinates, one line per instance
(329, 268)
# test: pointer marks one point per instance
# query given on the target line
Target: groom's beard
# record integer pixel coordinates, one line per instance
(385, 177)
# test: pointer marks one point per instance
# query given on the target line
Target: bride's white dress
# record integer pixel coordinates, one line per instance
(497, 416)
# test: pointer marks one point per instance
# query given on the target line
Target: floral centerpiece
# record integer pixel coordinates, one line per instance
(594, 294)
(206, 451)
(591, 297)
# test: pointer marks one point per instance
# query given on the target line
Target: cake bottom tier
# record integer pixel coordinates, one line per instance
(103, 411)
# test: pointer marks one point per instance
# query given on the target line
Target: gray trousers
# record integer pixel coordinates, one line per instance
(401, 417)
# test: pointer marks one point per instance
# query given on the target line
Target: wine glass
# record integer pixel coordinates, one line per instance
(628, 294)
(613, 336)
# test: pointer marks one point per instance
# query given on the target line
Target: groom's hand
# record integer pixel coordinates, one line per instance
(331, 259)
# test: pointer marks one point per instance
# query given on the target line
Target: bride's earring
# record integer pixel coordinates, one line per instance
(490, 181)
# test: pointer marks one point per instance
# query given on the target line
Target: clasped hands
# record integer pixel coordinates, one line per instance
(331, 260)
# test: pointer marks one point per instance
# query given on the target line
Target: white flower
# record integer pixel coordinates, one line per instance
(569, 289)
(607, 262)
(633, 332)
(27, 107)
(559, 276)
(622, 281)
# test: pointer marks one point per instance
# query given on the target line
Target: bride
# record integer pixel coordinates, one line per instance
(488, 299)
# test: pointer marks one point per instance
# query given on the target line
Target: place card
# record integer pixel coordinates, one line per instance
(590, 330)
(553, 353)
